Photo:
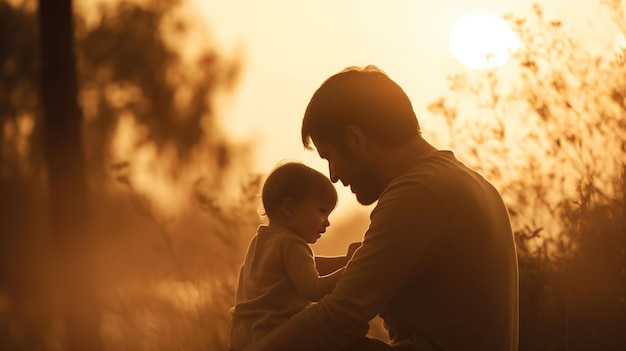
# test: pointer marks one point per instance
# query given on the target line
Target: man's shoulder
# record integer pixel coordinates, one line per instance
(428, 183)
(429, 170)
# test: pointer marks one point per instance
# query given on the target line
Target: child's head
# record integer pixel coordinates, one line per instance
(299, 198)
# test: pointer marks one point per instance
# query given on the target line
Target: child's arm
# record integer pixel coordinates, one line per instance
(311, 283)
(324, 285)
(326, 265)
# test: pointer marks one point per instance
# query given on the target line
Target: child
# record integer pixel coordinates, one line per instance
(280, 276)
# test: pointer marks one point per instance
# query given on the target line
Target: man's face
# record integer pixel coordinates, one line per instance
(352, 171)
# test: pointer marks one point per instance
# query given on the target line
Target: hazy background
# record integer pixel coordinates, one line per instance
(185, 105)
(289, 48)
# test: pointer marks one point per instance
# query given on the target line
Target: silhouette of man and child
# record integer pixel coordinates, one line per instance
(438, 262)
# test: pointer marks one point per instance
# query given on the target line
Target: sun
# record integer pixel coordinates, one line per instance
(482, 41)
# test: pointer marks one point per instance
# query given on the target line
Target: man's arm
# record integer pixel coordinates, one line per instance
(396, 247)
(298, 333)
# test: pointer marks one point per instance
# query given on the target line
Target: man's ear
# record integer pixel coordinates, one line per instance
(354, 139)
(287, 207)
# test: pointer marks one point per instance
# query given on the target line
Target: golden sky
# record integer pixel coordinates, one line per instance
(290, 47)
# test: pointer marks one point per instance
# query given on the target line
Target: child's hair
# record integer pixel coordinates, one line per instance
(298, 182)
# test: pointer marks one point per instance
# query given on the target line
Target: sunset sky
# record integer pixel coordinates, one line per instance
(290, 47)
(135, 240)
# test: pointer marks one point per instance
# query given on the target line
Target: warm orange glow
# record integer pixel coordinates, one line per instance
(619, 47)
(16, 134)
(150, 173)
(482, 41)
(171, 232)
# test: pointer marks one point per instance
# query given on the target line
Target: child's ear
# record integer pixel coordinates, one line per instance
(287, 207)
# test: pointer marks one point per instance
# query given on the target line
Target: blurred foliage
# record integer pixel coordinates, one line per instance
(19, 89)
(130, 64)
(172, 197)
(575, 297)
(550, 131)
(536, 128)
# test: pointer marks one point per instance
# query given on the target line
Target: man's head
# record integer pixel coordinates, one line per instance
(363, 97)
(353, 105)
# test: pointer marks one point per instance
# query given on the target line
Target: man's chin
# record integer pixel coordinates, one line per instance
(365, 199)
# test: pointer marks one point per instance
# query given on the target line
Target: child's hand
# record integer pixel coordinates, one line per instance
(352, 249)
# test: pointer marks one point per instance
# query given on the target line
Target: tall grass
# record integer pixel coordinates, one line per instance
(575, 298)
(550, 130)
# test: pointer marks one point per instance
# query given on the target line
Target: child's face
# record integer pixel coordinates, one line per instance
(310, 218)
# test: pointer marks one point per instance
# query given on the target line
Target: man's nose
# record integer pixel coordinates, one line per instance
(326, 222)
(333, 175)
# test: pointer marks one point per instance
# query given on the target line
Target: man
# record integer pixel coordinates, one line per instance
(438, 261)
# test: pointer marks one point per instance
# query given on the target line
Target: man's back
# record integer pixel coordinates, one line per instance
(463, 290)
(438, 259)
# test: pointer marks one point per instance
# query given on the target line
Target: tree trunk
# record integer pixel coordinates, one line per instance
(69, 210)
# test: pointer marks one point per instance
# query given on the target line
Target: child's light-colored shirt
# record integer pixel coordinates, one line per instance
(277, 273)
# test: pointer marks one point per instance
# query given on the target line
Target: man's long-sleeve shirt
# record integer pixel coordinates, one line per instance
(438, 262)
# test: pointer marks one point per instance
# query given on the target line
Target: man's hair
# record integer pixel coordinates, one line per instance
(366, 98)
(293, 180)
